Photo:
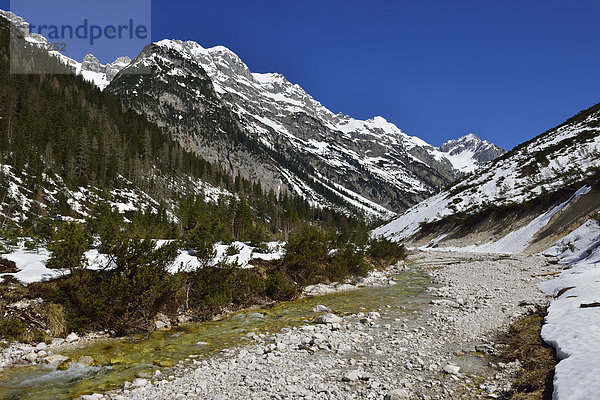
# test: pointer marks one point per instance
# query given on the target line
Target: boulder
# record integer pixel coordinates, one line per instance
(56, 359)
(351, 376)
(86, 361)
(451, 369)
(328, 318)
(41, 346)
(321, 308)
(72, 337)
(140, 382)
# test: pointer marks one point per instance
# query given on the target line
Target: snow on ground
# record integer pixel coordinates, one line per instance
(409, 222)
(32, 266)
(463, 161)
(32, 263)
(514, 242)
(518, 240)
(572, 330)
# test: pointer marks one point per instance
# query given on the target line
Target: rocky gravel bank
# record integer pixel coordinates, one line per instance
(445, 350)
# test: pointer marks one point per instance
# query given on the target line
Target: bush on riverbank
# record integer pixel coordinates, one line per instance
(126, 294)
(384, 249)
(312, 257)
(135, 285)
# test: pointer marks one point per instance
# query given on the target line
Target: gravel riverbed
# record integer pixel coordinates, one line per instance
(445, 350)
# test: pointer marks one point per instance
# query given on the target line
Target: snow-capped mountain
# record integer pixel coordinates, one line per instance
(264, 128)
(90, 69)
(470, 152)
(538, 191)
(364, 163)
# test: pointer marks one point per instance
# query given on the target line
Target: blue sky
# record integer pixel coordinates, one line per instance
(504, 70)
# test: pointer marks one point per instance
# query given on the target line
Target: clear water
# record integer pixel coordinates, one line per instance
(120, 360)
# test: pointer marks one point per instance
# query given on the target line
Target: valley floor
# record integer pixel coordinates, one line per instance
(441, 351)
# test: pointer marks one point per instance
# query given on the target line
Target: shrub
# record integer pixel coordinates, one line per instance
(127, 293)
(68, 248)
(224, 284)
(257, 235)
(306, 254)
(8, 266)
(348, 261)
(232, 250)
(32, 245)
(202, 242)
(384, 249)
(280, 288)
(12, 329)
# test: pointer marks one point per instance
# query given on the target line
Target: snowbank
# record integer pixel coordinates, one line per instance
(573, 322)
(32, 264)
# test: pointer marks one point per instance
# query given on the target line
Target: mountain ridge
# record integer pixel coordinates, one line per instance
(558, 168)
(369, 166)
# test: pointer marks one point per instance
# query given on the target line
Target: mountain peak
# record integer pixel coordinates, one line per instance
(469, 152)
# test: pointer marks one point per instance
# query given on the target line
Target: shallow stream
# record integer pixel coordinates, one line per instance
(124, 359)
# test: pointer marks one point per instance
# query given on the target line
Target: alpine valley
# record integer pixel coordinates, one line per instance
(141, 198)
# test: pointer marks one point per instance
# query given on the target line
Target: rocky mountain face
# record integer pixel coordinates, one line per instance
(470, 152)
(110, 70)
(536, 193)
(264, 127)
(91, 69)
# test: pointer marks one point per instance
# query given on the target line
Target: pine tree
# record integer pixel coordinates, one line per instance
(68, 248)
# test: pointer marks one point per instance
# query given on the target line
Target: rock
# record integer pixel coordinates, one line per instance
(86, 361)
(95, 396)
(31, 357)
(41, 346)
(161, 326)
(374, 315)
(398, 394)
(72, 337)
(140, 382)
(320, 388)
(451, 369)
(365, 376)
(321, 308)
(56, 359)
(351, 376)
(328, 318)
(57, 341)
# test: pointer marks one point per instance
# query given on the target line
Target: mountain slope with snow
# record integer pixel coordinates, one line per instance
(266, 129)
(470, 152)
(514, 189)
(572, 326)
(373, 159)
(90, 69)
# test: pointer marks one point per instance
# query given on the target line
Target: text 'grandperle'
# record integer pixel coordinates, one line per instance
(91, 31)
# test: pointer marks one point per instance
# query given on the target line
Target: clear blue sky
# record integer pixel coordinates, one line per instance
(504, 70)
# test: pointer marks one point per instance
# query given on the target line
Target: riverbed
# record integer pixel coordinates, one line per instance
(432, 335)
(120, 360)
